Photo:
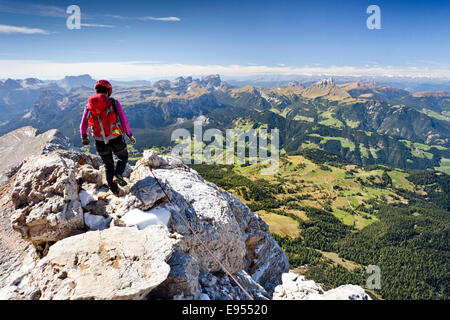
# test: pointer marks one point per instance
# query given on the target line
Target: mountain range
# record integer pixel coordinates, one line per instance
(361, 122)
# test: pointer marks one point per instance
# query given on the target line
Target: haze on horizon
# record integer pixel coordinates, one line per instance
(239, 39)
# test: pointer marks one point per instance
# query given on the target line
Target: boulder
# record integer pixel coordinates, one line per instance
(88, 174)
(182, 279)
(113, 264)
(346, 292)
(209, 215)
(147, 191)
(151, 159)
(45, 197)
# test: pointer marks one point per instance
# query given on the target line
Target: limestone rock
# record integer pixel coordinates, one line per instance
(148, 192)
(45, 197)
(91, 175)
(47, 201)
(266, 260)
(15, 282)
(183, 278)
(221, 287)
(19, 144)
(209, 215)
(238, 238)
(114, 264)
(296, 287)
(151, 159)
(346, 292)
(99, 208)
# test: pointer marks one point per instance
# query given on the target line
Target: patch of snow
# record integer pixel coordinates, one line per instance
(96, 222)
(27, 115)
(86, 197)
(142, 219)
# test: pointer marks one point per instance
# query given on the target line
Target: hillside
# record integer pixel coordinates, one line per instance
(333, 219)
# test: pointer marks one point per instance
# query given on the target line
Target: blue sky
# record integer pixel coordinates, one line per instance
(144, 40)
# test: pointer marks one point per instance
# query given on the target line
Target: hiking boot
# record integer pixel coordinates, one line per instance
(115, 191)
(119, 180)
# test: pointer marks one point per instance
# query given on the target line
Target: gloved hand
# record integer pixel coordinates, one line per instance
(85, 142)
(132, 140)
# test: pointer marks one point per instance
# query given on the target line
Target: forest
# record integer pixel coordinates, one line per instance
(408, 242)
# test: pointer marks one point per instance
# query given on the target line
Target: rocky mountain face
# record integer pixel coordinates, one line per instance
(69, 82)
(364, 90)
(156, 106)
(325, 88)
(17, 96)
(78, 241)
(24, 142)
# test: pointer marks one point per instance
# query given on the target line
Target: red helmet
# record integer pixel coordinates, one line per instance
(105, 84)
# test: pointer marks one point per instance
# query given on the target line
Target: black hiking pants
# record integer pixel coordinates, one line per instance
(118, 147)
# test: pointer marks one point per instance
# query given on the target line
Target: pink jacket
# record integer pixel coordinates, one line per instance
(122, 117)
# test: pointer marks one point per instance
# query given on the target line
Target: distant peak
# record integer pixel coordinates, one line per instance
(213, 80)
(293, 84)
(431, 94)
(32, 80)
(324, 83)
(211, 77)
(82, 76)
(76, 81)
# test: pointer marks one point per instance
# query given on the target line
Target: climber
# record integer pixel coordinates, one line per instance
(107, 122)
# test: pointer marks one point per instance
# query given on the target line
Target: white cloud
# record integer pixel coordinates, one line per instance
(116, 16)
(94, 25)
(24, 30)
(150, 70)
(169, 19)
(32, 9)
(147, 18)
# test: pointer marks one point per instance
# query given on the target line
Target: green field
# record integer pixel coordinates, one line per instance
(444, 166)
(333, 218)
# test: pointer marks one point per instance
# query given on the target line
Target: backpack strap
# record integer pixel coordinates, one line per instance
(89, 115)
(113, 103)
(114, 107)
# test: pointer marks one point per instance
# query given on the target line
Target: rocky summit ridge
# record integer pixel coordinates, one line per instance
(79, 241)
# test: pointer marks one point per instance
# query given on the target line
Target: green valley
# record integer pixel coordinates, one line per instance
(333, 219)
